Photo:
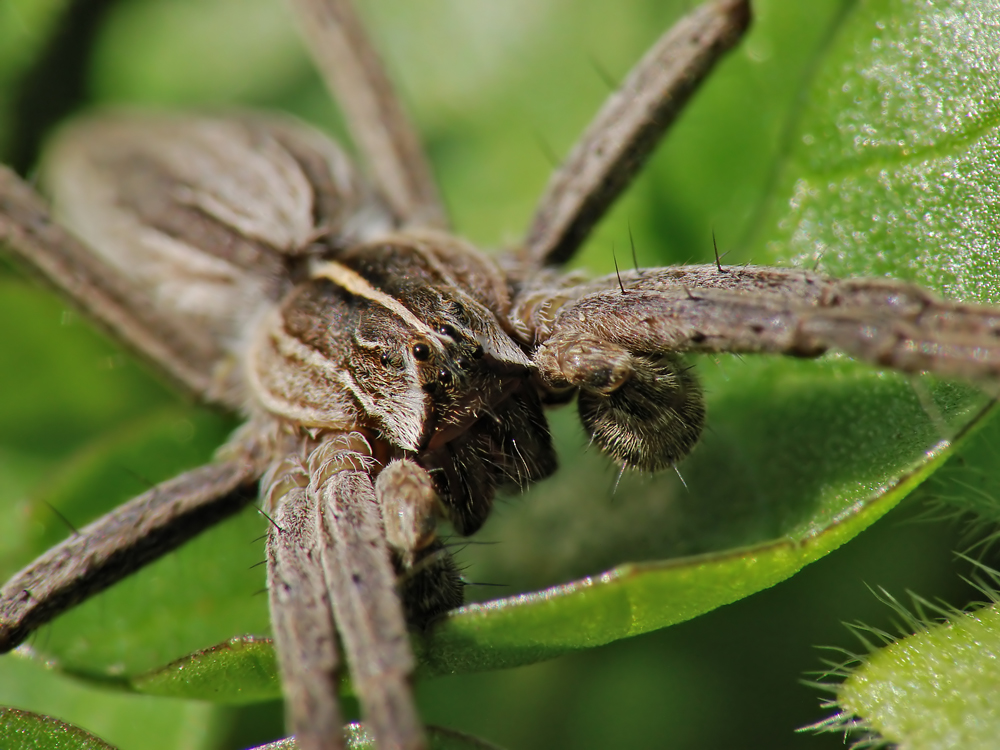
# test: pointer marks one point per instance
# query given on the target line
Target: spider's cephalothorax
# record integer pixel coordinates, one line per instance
(403, 340)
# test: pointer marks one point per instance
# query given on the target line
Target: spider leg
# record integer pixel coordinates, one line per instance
(375, 116)
(361, 581)
(542, 298)
(303, 621)
(119, 543)
(329, 572)
(627, 128)
(757, 309)
(619, 348)
(887, 323)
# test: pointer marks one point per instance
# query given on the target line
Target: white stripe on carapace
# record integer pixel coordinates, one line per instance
(355, 284)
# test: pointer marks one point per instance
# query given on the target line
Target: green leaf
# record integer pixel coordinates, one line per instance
(23, 730)
(638, 598)
(893, 168)
(242, 670)
(897, 690)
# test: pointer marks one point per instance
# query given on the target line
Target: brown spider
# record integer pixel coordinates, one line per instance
(390, 374)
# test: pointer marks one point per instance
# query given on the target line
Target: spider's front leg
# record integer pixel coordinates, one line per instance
(361, 558)
(301, 615)
(619, 345)
(329, 572)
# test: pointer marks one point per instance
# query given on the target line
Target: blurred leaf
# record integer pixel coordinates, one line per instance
(242, 670)
(189, 599)
(158, 52)
(359, 739)
(123, 720)
(22, 730)
(84, 382)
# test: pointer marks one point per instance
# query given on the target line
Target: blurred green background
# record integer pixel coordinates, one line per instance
(499, 90)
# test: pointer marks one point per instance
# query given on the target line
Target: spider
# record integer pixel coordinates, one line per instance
(391, 375)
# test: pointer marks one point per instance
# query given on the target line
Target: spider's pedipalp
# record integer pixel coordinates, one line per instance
(427, 580)
(410, 508)
(652, 420)
(643, 408)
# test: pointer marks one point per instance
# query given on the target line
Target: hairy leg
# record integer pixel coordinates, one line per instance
(618, 345)
(121, 542)
(628, 127)
(301, 616)
(362, 584)
(376, 117)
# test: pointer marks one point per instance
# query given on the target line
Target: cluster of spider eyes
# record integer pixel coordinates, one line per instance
(422, 352)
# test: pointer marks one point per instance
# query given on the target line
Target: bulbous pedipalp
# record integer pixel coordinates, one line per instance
(652, 419)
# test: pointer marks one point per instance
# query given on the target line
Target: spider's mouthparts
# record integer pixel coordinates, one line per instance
(460, 415)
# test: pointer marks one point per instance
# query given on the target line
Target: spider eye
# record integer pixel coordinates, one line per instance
(444, 376)
(421, 352)
(392, 359)
(446, 330)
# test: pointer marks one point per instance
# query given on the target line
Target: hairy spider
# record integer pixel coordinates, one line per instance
(391, 375)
